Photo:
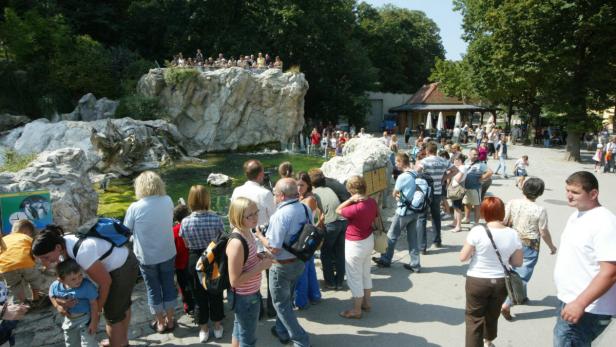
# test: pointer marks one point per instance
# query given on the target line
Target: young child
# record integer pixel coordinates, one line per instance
(81, 320)
(598, 157)
(520, 170)
(181, 259)
(17, 264)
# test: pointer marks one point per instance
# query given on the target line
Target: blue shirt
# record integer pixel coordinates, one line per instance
(406, 185)
(85, 293)
(287, 221)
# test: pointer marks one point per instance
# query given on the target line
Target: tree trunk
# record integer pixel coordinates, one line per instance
(509, 115)
(572, 152)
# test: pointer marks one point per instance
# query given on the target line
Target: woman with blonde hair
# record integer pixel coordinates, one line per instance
(360, 212)
(151, 219)
(200, 228)
(245, 273)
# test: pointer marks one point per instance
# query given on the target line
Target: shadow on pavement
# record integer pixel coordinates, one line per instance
(369, 338)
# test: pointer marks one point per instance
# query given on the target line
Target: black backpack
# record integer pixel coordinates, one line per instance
(213, 265)
(306, 241)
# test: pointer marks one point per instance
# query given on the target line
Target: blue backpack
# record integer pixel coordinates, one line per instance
(423, 195)
(108, 229)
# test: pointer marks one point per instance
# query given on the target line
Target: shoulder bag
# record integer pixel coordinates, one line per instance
(457, 192)
(513, 282)
(380, 236)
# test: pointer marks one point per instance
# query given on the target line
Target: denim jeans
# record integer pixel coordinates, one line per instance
(408, 223)
(282, 285)
(501, 164)
(422, 220)
(307, 287)
(526, 270)
(588, 328)
(435, 211)
(76, 332)
(246, 308)
(332, 253)
(160, 285)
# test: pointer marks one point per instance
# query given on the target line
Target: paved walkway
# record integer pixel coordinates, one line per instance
(425, 309)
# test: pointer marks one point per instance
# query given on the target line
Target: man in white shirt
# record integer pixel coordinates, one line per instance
(253, 190)
(585, 271)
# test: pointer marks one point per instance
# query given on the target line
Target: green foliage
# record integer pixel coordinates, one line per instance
(455, 77)
(14, 162)
(179, 75)
(139, 107)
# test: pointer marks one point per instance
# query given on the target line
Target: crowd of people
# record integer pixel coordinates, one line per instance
(260, 62)
(168, 241)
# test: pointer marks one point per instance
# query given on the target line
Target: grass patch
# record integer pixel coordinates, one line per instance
(179, 179)
(14, 162)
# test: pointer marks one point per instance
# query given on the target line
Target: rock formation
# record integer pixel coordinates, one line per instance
(9, 121)
(64, 173)
(89, 109)
(358, 156)
(231, 108)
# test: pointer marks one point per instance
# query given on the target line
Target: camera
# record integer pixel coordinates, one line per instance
(262, 227)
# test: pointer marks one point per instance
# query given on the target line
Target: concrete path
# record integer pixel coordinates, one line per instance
(425, 309)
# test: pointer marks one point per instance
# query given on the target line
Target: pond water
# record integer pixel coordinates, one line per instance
(179, 179)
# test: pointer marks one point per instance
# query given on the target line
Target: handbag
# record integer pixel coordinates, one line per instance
(455, 193)
(513, 281)
(306, 241)
(380, 236)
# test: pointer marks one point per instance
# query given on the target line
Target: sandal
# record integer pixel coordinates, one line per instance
(173, 326)
(154, 326)
(349, 315)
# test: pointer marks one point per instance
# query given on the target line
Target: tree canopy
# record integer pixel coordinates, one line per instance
(54, 51)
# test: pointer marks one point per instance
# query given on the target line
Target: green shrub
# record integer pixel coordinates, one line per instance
(177, 75)
(14, 161)
(140, 107)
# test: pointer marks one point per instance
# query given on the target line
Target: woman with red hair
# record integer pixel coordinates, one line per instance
(485, 278)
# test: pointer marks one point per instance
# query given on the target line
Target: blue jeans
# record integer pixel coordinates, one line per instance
(332, 253)
(588, 328)
(307, 286)
(246, 308)
(501, 164)
(422, 220)
(528, 266)
(282, 285)
(160, 285)
(408, 223)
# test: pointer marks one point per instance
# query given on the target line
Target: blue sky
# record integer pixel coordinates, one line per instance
(442, 13)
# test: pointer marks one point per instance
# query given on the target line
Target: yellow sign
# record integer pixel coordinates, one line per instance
(376, 180)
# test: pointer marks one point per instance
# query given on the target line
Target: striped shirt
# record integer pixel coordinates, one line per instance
(201, 228)
(436, 167)
(253, 284)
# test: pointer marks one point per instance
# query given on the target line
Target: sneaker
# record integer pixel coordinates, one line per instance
(275, 333)
(411, 269)
(424, 252)
(380, 263)
(218, 332)
(204, 336)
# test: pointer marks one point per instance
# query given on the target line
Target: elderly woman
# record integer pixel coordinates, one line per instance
(245, 273)
(530, 220)
(485, 278)
(200, 228)
(360, 212)
(115, 275)
(151, 220)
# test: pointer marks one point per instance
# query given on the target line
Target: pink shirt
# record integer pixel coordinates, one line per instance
(252, 285)
(360, 217)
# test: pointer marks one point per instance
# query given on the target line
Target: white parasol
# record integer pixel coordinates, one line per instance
(429, 121)
(440, 123)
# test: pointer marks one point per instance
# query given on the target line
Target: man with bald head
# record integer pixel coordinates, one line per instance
(287, 221)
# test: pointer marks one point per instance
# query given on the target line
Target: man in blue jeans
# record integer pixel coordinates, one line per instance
(404, 219)
(585, 271)
(287, 221)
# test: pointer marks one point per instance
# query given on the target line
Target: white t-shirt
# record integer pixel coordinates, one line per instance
(261, 196)
(91, 249)
(588, 239)
(484, 263)
(461, 170)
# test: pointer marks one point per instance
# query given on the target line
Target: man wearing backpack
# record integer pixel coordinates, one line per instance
(404, 218)
(439, 169)
(476, 173)
(286, 222)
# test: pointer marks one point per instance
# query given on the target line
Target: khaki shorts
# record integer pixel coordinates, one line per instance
(471, 197)
(123, 280)
(23, 277)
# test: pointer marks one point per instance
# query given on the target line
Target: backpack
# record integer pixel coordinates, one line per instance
(108, 229)
(213, 265)
(306, 241)
(423, 195)
(473, 178)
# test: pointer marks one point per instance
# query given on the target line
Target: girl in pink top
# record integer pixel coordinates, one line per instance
(360, 211)
(245, 277)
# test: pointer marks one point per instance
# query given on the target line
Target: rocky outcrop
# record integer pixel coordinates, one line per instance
(231, 108)
(114, 145)
(89, 109)
(358, 156)
(9, 121)
(64, 173)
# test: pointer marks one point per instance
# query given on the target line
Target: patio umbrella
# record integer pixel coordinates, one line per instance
(440, 123)
(458, 122)
(429, 121)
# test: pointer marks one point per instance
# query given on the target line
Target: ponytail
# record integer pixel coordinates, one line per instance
(47, 240)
